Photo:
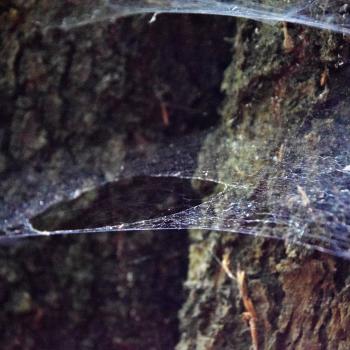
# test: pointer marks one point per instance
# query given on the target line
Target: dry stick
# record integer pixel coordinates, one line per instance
(165, 114)
(288, 43)
(250, 315)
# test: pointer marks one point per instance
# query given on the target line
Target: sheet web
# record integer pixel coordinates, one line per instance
(305, 201)
(322, 14)
(198, 182)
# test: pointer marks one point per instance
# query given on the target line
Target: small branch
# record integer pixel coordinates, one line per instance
(288, 43)
(250, 316)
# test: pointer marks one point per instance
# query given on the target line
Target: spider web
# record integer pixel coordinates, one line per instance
(321, 14)
(190, 183)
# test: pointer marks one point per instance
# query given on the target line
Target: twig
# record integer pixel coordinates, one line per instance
(164, 113)
(250, 315)
(304, 197)
(288, 43)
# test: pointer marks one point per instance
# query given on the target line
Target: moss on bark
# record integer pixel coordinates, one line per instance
(82, 97)
(298, 293)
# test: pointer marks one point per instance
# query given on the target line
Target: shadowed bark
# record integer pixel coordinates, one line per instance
(82, 98)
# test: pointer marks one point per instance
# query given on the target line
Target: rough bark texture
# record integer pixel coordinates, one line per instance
(301, 297)
(81, 98)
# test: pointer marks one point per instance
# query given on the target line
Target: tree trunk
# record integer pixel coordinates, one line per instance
(300, 296)
(80, 99)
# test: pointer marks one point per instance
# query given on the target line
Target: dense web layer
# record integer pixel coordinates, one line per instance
(332, 15)
(306, 200)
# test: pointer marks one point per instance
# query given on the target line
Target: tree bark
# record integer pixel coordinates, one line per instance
(300, 296)
(73, 103)
(81, 99)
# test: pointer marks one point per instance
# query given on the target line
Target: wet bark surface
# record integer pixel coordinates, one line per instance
(81, 98)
